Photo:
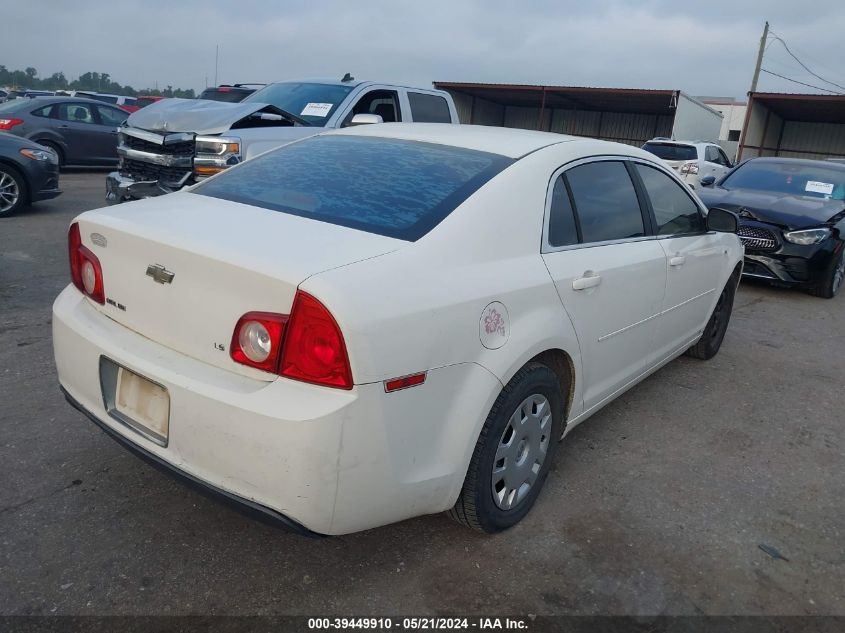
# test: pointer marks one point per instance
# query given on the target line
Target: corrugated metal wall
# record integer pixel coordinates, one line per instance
(623, 127)
(791, 139)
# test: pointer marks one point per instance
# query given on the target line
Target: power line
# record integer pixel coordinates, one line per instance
(795, 81)
(803, 65)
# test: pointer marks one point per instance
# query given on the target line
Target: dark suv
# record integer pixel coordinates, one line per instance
(230, 94)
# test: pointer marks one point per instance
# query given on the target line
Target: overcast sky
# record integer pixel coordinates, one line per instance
(704, 47)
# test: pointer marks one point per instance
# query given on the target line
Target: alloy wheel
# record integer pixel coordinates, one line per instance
(10, 193)
(521, 451)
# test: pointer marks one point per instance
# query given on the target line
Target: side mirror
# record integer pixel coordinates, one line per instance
(366, 119)
(722, 220)
(707, 181)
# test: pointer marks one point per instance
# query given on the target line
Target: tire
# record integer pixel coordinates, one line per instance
(485, 502)
(14, 194)
(832, 280)
(53, 146)
(714, 332)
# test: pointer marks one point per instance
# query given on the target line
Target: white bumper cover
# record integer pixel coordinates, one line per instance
(333, 461)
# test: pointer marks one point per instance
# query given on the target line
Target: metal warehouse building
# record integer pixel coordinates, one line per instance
(630, 116)
(793, 125)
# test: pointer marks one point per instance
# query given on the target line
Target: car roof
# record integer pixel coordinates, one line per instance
(669, 141)
(510, 142)
(806, 162)
(60, 99)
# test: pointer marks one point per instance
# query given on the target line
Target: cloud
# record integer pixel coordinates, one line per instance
(701, 48)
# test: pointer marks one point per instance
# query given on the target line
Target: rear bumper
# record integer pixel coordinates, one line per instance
(326, 460)
(250, 508)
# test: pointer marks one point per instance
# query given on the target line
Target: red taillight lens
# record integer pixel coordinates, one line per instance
(8, 124)
(306, 346)
(257, 340)
(314, 348)
(85, 270)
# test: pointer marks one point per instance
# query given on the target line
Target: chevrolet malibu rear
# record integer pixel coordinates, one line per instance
(369, 325)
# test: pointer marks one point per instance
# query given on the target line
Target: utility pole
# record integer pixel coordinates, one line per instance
(760, 57)
(217, 55)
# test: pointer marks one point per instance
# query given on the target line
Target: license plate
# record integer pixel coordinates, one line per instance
(144, 405)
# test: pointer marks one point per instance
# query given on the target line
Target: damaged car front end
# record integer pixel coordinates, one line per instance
(177, 142)
(151, 163)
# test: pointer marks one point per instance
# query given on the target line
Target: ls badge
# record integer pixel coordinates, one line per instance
(160, 274)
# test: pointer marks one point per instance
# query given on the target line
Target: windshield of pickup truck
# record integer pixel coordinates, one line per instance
(315, 103)
(391, 187)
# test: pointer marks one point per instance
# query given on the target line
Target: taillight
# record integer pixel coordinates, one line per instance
(85, 270)
(8, 124)
(257, 340)
(308, 345)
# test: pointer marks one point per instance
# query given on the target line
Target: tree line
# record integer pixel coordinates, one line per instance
(97, 82)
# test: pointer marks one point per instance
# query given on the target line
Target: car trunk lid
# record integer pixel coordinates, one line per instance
(182, 270)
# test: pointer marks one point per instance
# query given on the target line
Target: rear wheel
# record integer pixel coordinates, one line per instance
(514, 452)
(714, 332)
(832, 280)
(13, 193)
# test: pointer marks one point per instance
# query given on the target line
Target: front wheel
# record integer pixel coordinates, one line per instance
(514, 452)
(714, 332)
(831, 282)
(12, 190)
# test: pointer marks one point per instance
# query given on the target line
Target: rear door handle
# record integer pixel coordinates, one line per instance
(677, 260)
(589, 280)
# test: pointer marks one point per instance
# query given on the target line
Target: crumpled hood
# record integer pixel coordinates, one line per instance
(792, 212)
(194, 115)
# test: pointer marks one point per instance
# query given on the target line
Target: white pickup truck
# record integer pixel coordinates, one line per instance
(177, 142)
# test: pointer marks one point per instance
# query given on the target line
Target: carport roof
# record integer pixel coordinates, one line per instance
(812, 108)
(636, 100)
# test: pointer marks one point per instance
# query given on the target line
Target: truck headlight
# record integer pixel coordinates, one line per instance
(218, 145)
(215, 153)
(806, 237)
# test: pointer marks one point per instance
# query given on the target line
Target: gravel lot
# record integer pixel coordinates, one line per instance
(657, 505)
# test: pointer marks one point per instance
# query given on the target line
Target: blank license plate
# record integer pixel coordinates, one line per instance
(143, 402)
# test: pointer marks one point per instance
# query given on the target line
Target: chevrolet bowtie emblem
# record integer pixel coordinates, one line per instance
(160, 274)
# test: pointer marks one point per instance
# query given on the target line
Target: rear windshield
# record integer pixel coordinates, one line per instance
(391, 187)
(791, 178)
(14, 105)
(230, 96)
(671, 151)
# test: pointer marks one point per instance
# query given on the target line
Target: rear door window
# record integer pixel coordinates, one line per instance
(672, 151)
(426, 108)
(391, 187)
(605, 201)
(77, 112)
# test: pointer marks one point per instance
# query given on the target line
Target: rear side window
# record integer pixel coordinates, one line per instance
(391, 187)
(672, 151)
(605, 201)
(46, 112)
(673, 208)
(429, 108)
(562, 227)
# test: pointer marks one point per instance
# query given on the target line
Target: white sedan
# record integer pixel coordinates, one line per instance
(388, 321)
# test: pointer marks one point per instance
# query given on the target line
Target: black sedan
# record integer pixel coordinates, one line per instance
(28, 172)
(792, 220)
(80, 131)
